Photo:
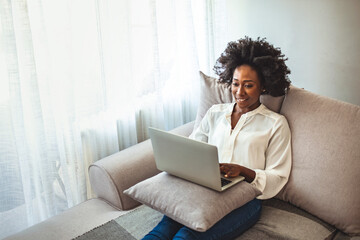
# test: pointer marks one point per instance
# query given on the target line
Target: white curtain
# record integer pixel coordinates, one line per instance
(81, 79)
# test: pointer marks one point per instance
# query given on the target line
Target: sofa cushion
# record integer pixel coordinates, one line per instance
(190, 204)
(214, 92)
(325, 146)
(281, 220)
(71, 223)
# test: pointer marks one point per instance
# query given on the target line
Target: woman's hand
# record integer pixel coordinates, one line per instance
(230, 170)
(233, 170)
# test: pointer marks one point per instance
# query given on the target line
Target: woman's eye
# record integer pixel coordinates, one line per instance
(235, 84)
(249, 85)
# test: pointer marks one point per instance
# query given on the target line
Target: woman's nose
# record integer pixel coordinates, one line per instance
(240, 90)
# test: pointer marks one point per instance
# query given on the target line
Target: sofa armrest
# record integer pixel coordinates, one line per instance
(110, 176)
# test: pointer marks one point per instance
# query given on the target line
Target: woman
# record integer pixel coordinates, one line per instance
(252, 141)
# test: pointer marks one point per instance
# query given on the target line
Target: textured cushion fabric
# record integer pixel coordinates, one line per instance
(213, 92)
(140, 221)
(280, 220)
(190, 204)
(71, 223)
(325, 146)
(109, 177)
(272, 103)
(108, 231)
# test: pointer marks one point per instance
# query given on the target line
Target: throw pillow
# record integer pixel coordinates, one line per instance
(211, 92)
(192, 205)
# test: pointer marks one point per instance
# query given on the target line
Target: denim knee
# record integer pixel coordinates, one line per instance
(248, 219)
(165, 230)
(186, 233)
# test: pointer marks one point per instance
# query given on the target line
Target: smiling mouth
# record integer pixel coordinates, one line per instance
(241, 99)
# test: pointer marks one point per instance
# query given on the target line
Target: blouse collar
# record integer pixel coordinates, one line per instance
(259, 109)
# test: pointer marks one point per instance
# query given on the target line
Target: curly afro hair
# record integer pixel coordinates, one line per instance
(264, 58)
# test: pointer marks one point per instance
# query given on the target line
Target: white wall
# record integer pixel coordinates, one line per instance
(321, 38)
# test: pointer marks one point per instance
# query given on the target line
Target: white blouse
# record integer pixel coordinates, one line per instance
(261, 141)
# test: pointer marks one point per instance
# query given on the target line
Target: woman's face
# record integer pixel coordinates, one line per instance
(246, 88)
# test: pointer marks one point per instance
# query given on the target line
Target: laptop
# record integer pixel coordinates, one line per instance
(189, 159)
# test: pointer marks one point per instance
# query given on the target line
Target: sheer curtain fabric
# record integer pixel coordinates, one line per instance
(80, 80)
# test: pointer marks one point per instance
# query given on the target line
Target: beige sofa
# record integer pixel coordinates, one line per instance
(320, 201)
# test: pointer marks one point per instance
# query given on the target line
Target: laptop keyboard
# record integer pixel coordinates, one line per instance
(225, 182)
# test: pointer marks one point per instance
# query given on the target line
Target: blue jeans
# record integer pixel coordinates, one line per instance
(229, 227)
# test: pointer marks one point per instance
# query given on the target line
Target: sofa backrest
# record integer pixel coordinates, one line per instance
(326, 158)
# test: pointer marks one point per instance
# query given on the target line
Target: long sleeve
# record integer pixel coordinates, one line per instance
(278, 162)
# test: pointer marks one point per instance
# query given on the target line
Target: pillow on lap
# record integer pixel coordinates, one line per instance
(192, 205)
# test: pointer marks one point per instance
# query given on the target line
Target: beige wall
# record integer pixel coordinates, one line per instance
(321, 38)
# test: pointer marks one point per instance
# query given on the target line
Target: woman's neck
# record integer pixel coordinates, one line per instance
(239, 110)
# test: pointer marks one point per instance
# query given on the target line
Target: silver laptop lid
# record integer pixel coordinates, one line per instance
(186, 158)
